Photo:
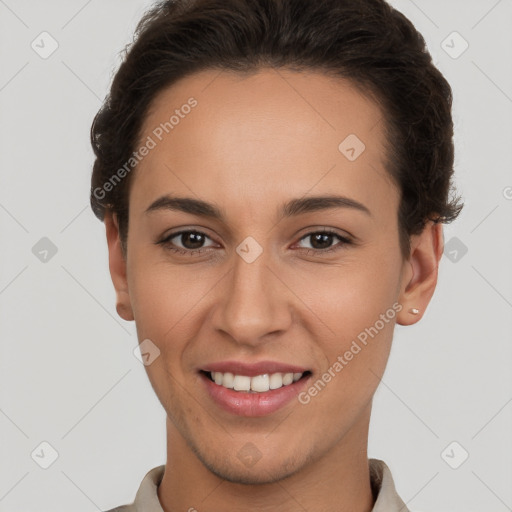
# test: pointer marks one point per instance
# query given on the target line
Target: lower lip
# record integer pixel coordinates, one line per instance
(253, 404)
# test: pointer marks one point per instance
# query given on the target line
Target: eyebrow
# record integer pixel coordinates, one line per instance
(291, 208)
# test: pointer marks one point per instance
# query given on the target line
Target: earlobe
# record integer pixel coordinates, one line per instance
(117, 267)
(420, 273)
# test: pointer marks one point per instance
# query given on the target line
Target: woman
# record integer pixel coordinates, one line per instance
(273, 176)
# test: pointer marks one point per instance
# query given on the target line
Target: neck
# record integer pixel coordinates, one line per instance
(337, 481)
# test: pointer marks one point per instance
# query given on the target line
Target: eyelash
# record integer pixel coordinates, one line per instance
(166, 242)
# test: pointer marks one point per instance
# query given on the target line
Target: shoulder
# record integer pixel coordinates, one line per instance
(146, 497)
(383, 487)
(122, 508)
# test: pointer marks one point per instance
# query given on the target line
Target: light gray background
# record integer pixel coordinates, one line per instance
(67, 370)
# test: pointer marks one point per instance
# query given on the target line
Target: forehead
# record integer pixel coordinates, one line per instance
(261, 135)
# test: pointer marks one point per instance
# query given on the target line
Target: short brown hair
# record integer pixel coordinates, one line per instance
(366, 41)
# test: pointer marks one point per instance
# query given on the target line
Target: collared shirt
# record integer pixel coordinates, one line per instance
(383, 487)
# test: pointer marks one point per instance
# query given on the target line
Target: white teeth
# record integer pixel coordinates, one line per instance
(226, 379)
(241, 383)
(276, 381)
(287, 379)
(256, 384)
(260, 383)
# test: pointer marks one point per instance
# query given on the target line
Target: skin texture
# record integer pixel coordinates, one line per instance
(252, 143)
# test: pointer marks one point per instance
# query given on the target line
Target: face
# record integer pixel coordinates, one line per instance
(264, 279)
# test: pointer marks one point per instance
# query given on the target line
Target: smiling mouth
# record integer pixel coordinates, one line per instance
(257, 383)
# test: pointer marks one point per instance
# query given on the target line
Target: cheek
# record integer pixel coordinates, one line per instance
(354, 351)
(165, 299)
(355, 308)
(351, 295)
(164, 303)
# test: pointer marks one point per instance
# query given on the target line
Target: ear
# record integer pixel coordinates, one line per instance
(419, 276)
(117, 266)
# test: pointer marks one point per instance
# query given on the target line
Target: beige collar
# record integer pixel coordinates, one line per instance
(382, 483)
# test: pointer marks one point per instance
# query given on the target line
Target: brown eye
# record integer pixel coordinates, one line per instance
(322, 241)
(186, 241)
(192, 239)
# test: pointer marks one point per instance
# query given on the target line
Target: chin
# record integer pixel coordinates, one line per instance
(252, 472)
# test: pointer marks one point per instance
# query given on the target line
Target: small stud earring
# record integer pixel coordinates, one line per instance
(414, 311)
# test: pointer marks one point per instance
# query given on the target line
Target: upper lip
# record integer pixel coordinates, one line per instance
(252, 369)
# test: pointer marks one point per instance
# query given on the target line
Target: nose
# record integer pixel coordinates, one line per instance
(254, 303)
